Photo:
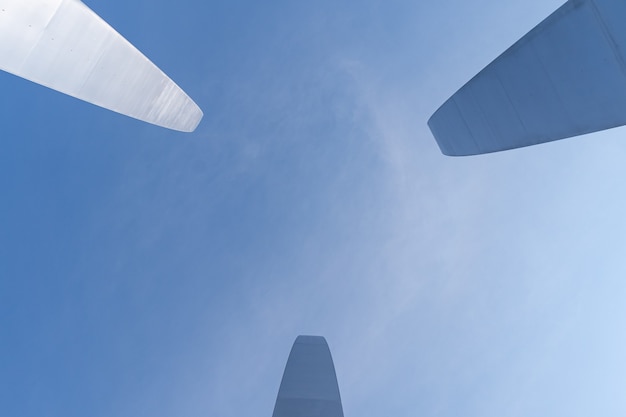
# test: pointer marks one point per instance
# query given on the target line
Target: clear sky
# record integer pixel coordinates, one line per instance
(145, 272)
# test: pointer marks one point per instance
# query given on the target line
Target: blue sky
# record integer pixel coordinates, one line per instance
(145, 272)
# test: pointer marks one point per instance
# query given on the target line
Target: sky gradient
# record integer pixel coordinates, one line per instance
(145, 272)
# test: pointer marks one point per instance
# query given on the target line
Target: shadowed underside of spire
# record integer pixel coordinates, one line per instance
(309, 385)
(566, 77)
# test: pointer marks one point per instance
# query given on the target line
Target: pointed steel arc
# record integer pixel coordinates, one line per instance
(564, 78)
(64, 45)
(309, 385)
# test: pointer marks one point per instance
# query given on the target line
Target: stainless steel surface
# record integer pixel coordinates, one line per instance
(64, 45)
(309, 386)
(565, 78)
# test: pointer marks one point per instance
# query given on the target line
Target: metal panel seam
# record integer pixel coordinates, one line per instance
(508, 97)
(41, 35)
(458, 109)
(609, 37)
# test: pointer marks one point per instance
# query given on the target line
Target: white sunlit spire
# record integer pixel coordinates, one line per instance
(64, 45)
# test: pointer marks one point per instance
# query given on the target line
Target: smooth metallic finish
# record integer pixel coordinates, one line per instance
(64, 45)
(566, 77)
(309, 386)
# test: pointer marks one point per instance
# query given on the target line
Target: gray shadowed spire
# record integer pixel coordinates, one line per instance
(64, 45)
(566, 77)
(309, 386)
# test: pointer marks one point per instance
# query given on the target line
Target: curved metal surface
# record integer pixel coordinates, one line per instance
(64, 45)
(566, 77)
(309, 386)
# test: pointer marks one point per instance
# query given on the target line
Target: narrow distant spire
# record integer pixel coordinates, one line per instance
(566, 77)
(309, 386)
(64, 45)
